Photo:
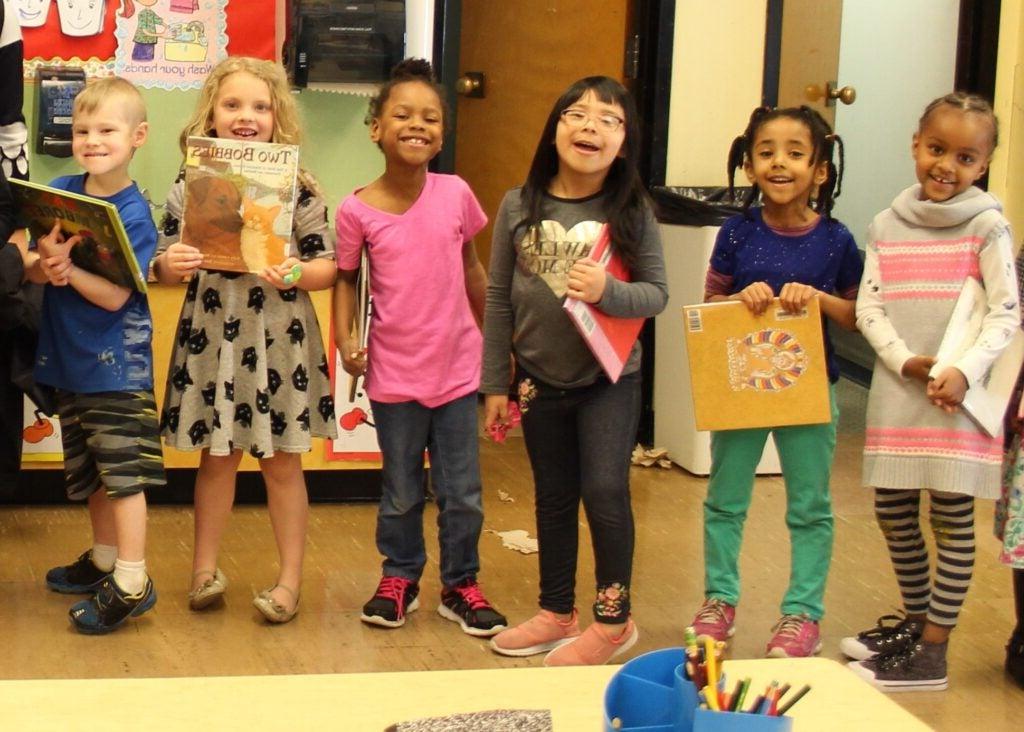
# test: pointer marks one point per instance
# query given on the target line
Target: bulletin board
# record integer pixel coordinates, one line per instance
(190, 37)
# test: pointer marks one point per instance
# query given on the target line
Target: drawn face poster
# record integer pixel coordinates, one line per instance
(170, 44)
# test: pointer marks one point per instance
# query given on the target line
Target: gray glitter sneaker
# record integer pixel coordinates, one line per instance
(922, 667)
(892, 633)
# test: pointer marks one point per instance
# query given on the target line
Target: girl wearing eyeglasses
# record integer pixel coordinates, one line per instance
(579, 427)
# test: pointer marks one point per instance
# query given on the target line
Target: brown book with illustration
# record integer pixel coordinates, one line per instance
(749, 370)
(239, 202)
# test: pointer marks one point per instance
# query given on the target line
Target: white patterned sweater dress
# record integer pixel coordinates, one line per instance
(918, 255)
(248, 369)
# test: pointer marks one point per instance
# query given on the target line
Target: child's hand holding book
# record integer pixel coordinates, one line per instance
(55, 255)
(182, 260)
(947, 390)
(587, 280)
(353, 357)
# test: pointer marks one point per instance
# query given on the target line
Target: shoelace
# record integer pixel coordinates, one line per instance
(881, 629)
(473, 596)
(897, 660)
(790, 625)
(393, 588)
(712, 611)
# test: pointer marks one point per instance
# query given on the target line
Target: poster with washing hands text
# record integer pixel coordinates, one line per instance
(170, 44)
(99, 35)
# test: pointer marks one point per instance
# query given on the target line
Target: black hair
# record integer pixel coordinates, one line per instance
(965, 103)
(824, 146)
(411, 69)
(625, 197)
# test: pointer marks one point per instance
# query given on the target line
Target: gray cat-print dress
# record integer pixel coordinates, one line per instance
(248, 369)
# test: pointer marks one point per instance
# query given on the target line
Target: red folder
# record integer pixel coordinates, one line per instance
(610, 339)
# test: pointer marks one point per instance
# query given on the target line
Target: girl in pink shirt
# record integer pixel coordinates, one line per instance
(422, 363)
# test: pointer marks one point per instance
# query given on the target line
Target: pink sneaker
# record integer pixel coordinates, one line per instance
(596, 646)
(796, 636)
(716, 620)
(541, 633)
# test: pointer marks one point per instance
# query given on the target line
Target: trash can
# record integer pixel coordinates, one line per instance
(689, 219)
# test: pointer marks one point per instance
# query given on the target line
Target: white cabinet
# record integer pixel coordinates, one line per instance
(687, 251)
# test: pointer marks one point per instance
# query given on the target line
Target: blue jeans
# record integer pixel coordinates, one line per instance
(449, 434)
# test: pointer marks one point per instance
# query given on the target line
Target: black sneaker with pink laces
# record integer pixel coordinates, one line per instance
(395, 597)
(466, 605)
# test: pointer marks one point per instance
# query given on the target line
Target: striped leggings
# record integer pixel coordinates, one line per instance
(952, 520)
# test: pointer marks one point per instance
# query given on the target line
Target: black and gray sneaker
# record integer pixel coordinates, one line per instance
(922, 667)
(393, 599)
(110, 607)
(466, 605)
(81, 577)
(892, 633)
(1015, 658)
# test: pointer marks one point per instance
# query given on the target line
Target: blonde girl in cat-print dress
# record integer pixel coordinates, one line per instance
(248, 371)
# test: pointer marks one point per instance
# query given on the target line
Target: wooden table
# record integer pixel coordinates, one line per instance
(372, 701)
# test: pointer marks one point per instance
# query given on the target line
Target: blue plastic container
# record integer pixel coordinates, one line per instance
(650, 694)
(705, 720)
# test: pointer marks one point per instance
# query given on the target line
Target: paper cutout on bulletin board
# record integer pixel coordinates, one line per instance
(250, 27)
(357, 435)
(170, 44)
(40, 436)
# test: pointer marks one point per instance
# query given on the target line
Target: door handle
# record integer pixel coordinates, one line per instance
(470, 84)
(831, 91)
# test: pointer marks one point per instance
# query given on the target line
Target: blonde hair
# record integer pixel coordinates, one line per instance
(287, 126)
(111, 89)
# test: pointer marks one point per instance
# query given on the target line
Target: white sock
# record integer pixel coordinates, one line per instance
(103, 556)
(130, 576)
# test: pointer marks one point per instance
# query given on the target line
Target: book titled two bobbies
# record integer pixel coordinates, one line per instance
(239, 202)
(750, 371)
(104, 248)
(610, 339)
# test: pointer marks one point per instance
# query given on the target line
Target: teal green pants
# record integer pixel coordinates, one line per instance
(805, 453)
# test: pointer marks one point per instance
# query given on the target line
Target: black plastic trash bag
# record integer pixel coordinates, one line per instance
(696, 205)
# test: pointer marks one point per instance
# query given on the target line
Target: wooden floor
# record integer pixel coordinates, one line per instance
(343, 567)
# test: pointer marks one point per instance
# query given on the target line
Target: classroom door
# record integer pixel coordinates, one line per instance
(528, 51)
(897, 56)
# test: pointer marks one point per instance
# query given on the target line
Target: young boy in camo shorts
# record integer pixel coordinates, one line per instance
(94, 348)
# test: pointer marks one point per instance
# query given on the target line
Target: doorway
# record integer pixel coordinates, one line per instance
(527, 52)
(870, 67)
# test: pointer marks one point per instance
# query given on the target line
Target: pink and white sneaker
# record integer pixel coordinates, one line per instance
(541, 633)
(597, 645)
(716, 620)
(796, 636)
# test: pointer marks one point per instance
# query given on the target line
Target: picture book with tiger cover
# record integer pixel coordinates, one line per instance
(239, 202)
(750, 371)
(104, 249)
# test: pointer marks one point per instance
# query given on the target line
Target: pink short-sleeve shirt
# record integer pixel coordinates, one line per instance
(424, 343)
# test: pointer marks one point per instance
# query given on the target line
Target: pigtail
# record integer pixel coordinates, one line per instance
(737, 151)
(742, 149)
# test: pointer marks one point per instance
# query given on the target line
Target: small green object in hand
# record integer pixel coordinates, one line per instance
(293, 276)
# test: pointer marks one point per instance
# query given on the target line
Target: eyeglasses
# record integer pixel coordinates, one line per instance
(577, 118)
